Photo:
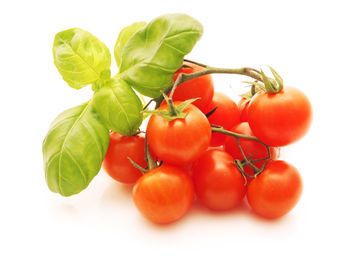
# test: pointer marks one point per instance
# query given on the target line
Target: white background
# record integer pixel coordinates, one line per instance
(305, 41)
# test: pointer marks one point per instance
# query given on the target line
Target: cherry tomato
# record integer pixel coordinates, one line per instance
(218, 183)
(180, 141)
(225, 115)
(276, 190)
(201, 87)
(279, 119)
(242, 107)
(250, 148)
(116, 163)
(164, 194)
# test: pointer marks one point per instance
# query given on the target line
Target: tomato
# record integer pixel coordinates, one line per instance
(218, 183)
(276, 190)
(116, 163)
(279, 119)
(164, 194)
(225, 115)
(250, 148)
(182, 140)
(201, 87)
(242, 107)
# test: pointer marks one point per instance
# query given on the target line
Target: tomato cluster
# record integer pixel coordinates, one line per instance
(216, 168)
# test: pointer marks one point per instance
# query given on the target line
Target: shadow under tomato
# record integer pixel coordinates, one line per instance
(198, 209)
(117, 192)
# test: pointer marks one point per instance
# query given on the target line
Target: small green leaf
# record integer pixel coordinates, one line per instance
(123, 37)
(80, 57)
(180, 108)
(118, 107)
(74, 149)
(247, 95)
(155, 52)
(278, 78)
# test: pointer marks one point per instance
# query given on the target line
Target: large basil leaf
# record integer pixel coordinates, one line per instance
(74, 149)
(118, 107)
(154, 53)
(80, 57)
(123, 37)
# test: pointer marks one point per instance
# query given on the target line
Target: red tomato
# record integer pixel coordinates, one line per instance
(250, 148)
(242, 107)
(225, 115)
(201, 87)
(276, 190)
(116, 163)
(164, 194)
(218, 183)
(180, 141)
(280, 119)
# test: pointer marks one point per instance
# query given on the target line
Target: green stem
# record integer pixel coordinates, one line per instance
(148, 157)
(246, 71)
(236, 135)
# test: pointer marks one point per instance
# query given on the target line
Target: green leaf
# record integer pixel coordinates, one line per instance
(80, 57)
(118, 107)
(154, 53)
(123, 37)
(74, 149)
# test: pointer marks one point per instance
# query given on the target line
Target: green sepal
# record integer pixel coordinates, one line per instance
(272, 85)
(278, 78)
(248, 95)
(178, 109)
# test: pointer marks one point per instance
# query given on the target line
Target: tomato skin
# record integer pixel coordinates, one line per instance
(218, 183)
(164, 194)
(243, 109)
(116, 163)
(201, 87)
(276, 190)
(280, 119)
(225, 115)
(181, 141)
(250, 148)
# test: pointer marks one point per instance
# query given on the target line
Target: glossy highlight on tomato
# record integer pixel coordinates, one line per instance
(116, 162)
(218, 183)
(276, 190)
(164, 194)
(181, 141)
(281, 118)
(225, 115)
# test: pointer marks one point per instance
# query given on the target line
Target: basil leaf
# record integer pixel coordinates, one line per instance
(118, 107)
(74, 149)
(123, 37)
(154, 53)
(80, 57)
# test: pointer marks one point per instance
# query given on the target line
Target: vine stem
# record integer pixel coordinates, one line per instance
(182, 77)
(236, 135)
(246, 160)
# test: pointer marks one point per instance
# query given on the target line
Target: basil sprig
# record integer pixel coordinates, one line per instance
(148, 56)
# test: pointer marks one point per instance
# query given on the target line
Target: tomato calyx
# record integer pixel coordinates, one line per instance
(272, 86)
(254, 88)
(174, 111)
